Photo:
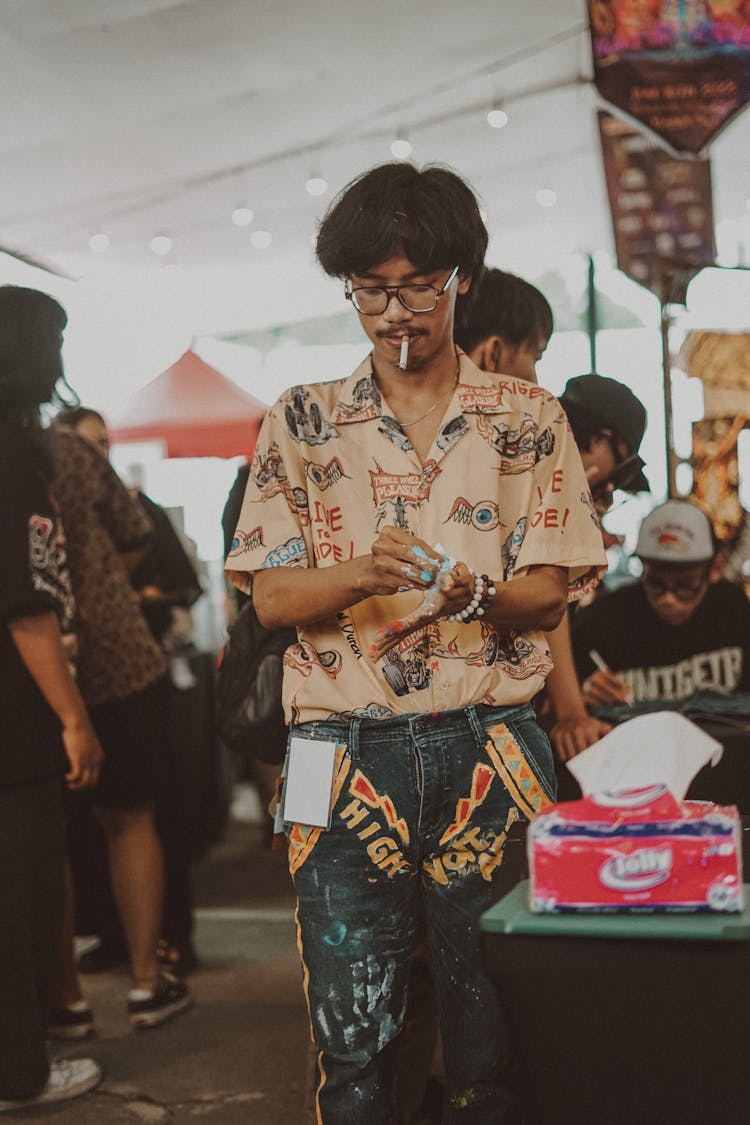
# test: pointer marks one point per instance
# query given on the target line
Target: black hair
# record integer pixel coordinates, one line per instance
(70, 416)
(31, 368)
(585, 425)
(503, 305)
(430, 215)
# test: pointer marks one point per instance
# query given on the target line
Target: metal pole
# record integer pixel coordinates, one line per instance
(666, 322)
(591, 313)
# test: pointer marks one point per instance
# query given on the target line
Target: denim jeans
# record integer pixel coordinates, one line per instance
(422, 805)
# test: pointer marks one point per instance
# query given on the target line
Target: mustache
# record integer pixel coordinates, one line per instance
(386, 332)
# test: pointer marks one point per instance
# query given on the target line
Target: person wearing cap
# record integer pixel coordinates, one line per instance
(679, 629)
(608, 423)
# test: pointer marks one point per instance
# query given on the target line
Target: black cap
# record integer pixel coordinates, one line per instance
(614, 406)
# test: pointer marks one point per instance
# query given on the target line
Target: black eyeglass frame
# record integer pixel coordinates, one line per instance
(391, 291)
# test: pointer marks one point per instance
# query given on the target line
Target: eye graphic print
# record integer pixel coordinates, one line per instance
(484, 515)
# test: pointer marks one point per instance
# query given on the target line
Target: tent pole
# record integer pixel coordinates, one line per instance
(666, 322)
(591, 313)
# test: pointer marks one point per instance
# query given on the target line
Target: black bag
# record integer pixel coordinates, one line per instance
(249, 715)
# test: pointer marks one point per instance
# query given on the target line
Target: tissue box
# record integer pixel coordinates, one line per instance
(636, 850)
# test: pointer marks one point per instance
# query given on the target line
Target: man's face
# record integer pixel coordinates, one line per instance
(429, 333)
(606, 451)
(674, 591)
(501, 358)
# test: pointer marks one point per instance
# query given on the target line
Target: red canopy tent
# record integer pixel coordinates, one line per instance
(194, 410)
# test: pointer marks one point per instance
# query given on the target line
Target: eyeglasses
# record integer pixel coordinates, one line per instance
(658, 586)
(373, 300)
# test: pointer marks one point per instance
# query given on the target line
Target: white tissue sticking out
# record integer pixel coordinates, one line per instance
(663, 748)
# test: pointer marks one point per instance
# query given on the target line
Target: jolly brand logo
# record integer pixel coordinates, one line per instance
(637, 871)
(412, 487)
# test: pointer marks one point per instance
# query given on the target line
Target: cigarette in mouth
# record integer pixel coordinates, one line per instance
(404, 354)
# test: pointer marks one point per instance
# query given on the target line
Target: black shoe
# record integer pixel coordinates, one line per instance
(180, 959)
(170, 997)
(103, 959)
(67, 1023)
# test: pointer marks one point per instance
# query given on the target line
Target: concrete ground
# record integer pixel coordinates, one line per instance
(241, 1055)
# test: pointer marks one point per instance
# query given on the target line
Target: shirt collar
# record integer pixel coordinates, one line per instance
(478, 392)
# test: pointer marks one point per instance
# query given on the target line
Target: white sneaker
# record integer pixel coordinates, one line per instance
(68, 1078)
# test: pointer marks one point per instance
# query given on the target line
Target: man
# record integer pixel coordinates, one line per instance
(353, 486)
(506, 326)
(675, 631)
(505, 329)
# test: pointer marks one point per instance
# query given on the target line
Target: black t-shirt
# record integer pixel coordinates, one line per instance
(709, 652)
(33, 579)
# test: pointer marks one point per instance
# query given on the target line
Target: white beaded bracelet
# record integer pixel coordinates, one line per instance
(484, 592)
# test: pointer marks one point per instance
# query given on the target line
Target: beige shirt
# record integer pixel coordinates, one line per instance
(502, 489)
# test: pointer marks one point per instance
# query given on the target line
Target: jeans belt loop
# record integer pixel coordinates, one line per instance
(354, 725)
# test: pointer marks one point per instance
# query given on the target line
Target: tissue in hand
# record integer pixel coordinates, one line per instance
(633, 843)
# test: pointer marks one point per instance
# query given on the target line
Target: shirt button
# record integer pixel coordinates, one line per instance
(443, 685)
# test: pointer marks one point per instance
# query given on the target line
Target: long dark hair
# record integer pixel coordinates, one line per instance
(31, 368)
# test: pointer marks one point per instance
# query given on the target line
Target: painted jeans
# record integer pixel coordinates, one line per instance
(422, 805)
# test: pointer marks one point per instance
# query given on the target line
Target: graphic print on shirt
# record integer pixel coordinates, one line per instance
(366, 403)
(302, 657)
(270, 477)
(484, 515)
(393, 493)
(451, 432)
(324, 476)
(244, 541)
(516, 448)
(520, 659)
(719, 669)
(511, 546)
(391, 430)
(407, 667)
(48, 564)
(306, 425)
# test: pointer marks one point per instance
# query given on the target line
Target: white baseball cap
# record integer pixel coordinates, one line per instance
(676, 532)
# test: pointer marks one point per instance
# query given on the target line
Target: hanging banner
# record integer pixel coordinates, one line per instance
(681, 68)
(661, 207)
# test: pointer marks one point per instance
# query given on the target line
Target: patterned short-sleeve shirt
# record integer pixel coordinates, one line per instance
(502, 489)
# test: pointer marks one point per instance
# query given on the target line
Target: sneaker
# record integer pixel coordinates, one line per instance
(170, 997)
(72, 1022)
(68, 1078)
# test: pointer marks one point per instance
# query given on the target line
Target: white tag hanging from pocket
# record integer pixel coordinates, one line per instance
(308, 784)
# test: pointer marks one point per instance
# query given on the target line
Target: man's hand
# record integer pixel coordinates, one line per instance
(84, 754)
(399, 561)
(606, 687)
(570, 736)
(452, 591)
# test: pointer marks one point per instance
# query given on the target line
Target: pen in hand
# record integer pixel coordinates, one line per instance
(601, 664)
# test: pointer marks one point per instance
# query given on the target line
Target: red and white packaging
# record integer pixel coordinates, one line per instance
(636, 850)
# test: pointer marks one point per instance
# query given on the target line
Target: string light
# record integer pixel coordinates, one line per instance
(242, 216)
(497, 118)
(99, 243)
(316, 185)
(546, 197)
(261, 239)
(401, 147)
(161, 244)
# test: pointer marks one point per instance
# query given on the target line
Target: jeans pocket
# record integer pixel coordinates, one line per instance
(520, 752)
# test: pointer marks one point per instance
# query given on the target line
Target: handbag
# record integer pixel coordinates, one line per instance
(249, 712)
